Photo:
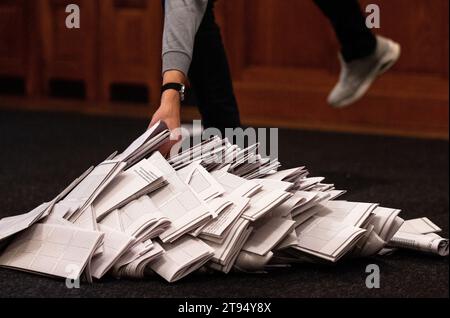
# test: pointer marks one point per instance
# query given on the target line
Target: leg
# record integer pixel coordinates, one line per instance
(357, 41)
(210, 76)
(364, 55)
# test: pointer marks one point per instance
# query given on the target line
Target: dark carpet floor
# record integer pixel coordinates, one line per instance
(41, 153)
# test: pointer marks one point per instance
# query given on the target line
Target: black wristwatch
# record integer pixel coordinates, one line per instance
(179, 87)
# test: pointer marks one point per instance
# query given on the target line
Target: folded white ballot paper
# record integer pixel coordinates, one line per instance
(54, 250)
(420, 226)
(263, 201)
(386, 222)
(235, 185)
(350, 213)
(308, 183)
(215, 229)
(312, 199)
(303, 217)
(290, 240)
(91, 186)
(88, 223)
(115, 244)
(267, 235)
(140, 218)
(274, 184)
(209, 152)
(420, 235)
(289, 175)
(148, 142)
(178, 203)
(369, 244)
(261, 168)
(429, 243)
(86, 220)
(219, 205)
(227, 251)
(137, 267)
(326, 238)
(140, 179)
(181, 258)
(333, 228)
(135, 252)
(230, 260)
(201, 182)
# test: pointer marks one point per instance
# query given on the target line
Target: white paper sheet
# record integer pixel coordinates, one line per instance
(129, 185)
(52, 250)
(266, 236)
(181, 258)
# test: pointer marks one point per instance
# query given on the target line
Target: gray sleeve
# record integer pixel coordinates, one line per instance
(181, 22)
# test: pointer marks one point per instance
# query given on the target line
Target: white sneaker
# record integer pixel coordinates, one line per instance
(357, 76)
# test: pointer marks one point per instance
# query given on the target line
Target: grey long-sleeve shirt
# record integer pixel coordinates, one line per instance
(181, 22)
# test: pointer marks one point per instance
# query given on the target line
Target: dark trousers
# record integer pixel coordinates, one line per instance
(210, 74)
(357, 41)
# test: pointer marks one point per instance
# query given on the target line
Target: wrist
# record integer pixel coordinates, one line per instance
(174, 76)
(174, 87)
(171, 98)
(170, 101)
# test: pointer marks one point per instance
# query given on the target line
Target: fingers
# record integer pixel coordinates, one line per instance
(153, 121)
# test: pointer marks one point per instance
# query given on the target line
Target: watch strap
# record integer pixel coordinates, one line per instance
(180, 88)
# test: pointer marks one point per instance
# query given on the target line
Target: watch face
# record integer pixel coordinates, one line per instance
(182, 91)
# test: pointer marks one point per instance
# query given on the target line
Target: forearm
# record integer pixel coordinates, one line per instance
(182, 20)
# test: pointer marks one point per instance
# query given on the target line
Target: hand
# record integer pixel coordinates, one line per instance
(169, 112)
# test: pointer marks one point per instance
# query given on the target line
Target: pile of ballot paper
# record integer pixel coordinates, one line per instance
(214, 206)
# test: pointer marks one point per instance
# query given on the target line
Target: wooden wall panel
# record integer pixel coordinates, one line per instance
(69, 54)
(287, 33)
(130, 48)
(18, 42)
(13, 44)
(421, 27)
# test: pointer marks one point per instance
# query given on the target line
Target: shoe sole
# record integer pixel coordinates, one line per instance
(382, 67)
